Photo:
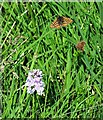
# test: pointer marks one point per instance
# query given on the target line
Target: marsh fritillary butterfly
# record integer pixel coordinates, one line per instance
(61, 22)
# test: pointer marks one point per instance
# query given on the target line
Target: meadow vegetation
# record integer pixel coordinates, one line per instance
(73, 79)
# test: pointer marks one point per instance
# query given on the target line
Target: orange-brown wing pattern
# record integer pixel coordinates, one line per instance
(55, 24)
(60, 22)
(66, 21)
(81, 45)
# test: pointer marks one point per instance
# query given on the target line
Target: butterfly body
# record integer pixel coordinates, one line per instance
(60, 22)
(81, 45)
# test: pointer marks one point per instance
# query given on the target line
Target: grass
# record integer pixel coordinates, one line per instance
(73, 79)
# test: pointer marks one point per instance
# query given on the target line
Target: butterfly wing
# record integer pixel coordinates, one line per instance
(62, 21)
(66, 21)
(55, 24)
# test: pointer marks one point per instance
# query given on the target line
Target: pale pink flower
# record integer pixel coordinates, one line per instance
(34, 82)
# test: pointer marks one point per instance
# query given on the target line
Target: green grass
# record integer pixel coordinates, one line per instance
(73, 79)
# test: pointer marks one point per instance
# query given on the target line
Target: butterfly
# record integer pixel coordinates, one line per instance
(61, 22)
(81, 45)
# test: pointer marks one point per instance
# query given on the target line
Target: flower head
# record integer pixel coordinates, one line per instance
(34, 82)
